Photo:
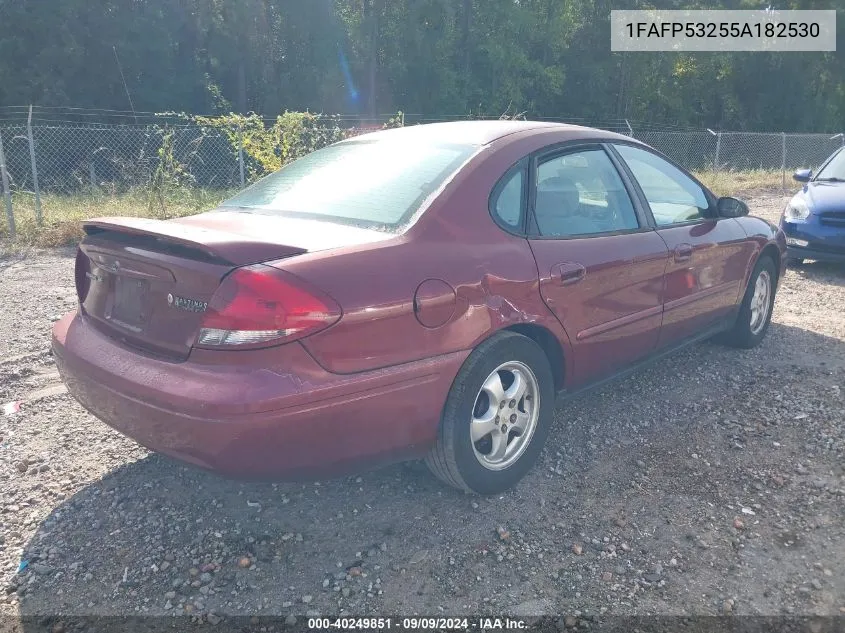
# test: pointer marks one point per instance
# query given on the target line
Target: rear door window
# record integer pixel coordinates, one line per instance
(508, 199)
(581, 193)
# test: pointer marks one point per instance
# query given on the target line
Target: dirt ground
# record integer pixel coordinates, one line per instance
(711, 483)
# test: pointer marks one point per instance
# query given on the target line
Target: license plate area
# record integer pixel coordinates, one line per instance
(129, 302)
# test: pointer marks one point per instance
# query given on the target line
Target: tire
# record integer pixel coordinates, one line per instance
(794, 262)
(477, 466)
(751, 326)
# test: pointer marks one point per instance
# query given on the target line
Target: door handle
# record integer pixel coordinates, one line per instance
(569, 273)
(683, 252)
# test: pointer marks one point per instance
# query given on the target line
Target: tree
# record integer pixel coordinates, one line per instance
(548, 58)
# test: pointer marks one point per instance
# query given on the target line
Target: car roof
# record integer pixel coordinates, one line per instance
(473, 132)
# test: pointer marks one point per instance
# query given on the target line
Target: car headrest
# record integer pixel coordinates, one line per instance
(556, 192)
(557, 183)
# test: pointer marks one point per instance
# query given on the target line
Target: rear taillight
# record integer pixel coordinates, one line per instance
(82, 269)
(260, 306)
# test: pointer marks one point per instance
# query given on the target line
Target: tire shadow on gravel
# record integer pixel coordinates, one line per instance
(635, 506)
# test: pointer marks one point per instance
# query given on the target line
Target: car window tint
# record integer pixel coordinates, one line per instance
(673, 196)
(581, 193)
(507, 204)
(367, 183)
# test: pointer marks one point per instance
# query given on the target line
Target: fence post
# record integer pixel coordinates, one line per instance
(241, 154)
(718, 146)
(783, 162)
(92, 169)
(718, 136)
(7, 194)
(31, 139)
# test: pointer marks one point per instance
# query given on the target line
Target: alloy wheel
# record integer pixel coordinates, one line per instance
(760, 301)
(505, 415)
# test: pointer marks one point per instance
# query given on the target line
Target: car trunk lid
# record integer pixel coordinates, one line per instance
(148, 282)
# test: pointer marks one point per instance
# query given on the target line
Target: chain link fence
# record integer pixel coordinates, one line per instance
(48, 169)
(72, 158)
(44, 165)
(48, 163)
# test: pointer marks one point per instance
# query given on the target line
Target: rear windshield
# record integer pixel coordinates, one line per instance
(378, 184)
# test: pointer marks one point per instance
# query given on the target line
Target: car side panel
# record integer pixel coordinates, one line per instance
(487, 276)
(705, 285)
(761, 234)
(613, 314)
(478, 288)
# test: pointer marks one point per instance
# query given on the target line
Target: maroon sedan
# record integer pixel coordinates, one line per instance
(420, 292)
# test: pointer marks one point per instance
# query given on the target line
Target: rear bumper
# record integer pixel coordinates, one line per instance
(263, 414)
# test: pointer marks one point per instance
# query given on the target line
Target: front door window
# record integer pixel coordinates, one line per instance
(674, 197)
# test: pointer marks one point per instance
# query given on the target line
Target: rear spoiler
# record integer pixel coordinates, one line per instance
(232, 248)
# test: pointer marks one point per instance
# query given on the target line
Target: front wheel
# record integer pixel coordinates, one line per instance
(755, 313)
(497, 416)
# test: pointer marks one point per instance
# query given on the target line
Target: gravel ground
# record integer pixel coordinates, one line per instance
(711, 483)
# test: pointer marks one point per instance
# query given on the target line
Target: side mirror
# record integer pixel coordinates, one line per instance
(731, 208)
(802, 175)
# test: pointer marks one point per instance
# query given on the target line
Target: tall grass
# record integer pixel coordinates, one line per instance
(63, 214)
(738, 183)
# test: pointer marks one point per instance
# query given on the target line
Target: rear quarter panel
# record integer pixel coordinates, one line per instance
(490, 277)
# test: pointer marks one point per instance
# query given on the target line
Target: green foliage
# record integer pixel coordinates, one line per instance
(269, 145)
(301, 133)
(431, 57)
(266, 147)
(169, 177)
(248, 131)
(219, 103)
(395, 121)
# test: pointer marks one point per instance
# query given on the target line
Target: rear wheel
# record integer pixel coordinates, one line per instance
(755, 313)
(497, 416)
